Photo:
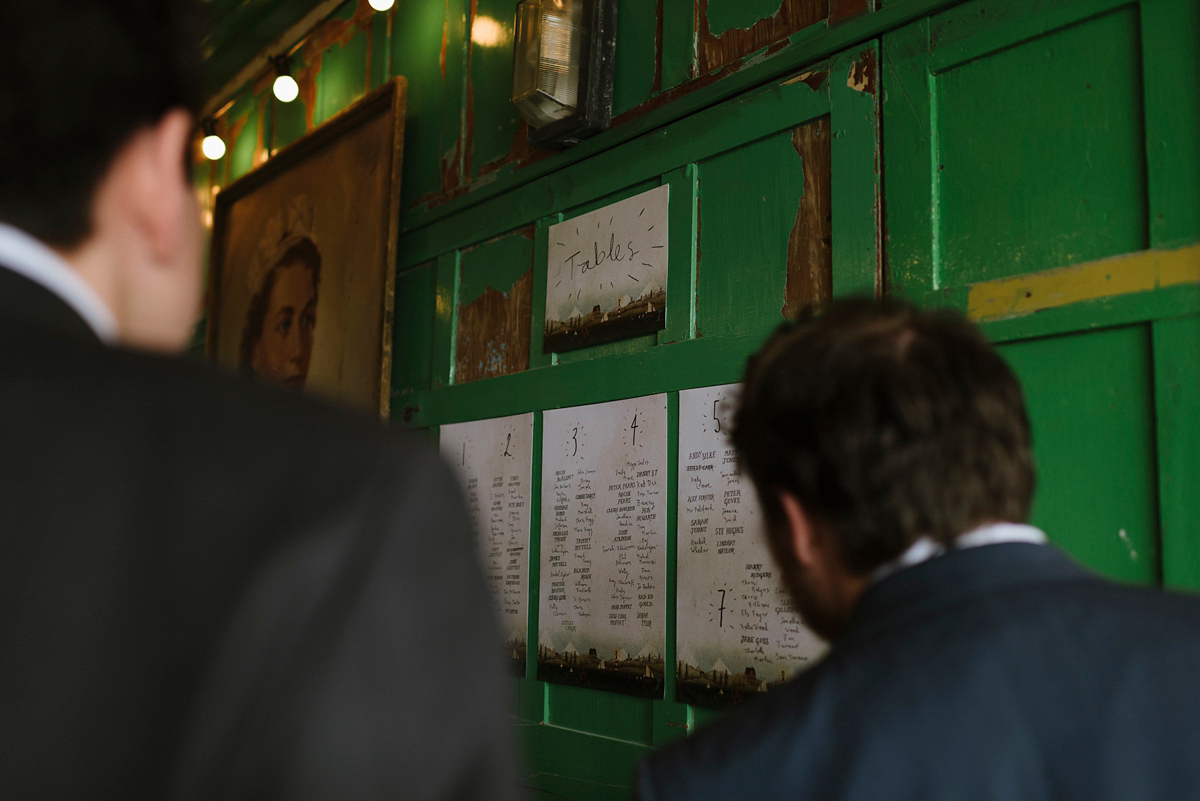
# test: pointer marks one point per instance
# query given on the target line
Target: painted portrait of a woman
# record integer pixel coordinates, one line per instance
(277, 338)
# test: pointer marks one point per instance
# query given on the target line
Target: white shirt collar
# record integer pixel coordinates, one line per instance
(28, 257)
(927, 548)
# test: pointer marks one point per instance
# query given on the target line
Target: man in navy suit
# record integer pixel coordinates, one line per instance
(209, 587)
(970, 660)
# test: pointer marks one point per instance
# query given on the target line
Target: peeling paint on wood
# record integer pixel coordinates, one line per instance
(445, 38)
(810, 252)
(718, 50)
(814, 79)
(493, 332)
(338, 30)
(862, 74)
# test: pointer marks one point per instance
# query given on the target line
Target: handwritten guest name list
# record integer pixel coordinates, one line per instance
(738, 632)
(494, 462)
(603, 545)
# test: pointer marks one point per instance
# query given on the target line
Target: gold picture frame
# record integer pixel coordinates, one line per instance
(302, 247)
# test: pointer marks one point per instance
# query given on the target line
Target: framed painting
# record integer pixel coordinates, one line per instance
(303, 259)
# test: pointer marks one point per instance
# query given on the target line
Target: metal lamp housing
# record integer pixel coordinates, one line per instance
(563, 69)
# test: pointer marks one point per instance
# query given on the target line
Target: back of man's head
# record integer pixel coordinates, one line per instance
(79, 78)
(886, 424)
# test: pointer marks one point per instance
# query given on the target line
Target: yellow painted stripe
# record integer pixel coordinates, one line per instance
(1120, 275)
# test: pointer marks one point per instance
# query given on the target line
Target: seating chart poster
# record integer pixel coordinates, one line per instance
(603, 546)
(737, 631)
(494, 461)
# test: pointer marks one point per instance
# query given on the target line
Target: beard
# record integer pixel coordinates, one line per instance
(812, 594)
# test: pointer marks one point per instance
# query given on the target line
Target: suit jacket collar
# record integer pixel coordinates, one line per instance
(28, 307)
(953, 578)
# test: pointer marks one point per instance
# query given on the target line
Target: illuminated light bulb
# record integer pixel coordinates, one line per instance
(213, 147)
(286, 89)
(381, 5)
(487, 32)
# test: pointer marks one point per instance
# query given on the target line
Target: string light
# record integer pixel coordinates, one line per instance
(213, 146)
(285, 87)
(381, 5)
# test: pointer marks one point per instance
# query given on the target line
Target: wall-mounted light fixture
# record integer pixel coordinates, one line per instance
(213, 146)
(285, 87)
(563, 69)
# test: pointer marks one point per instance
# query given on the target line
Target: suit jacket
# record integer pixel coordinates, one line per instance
(215, 589)
(1002, 672)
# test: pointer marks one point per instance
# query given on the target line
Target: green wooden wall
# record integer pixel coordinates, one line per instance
(929, 149)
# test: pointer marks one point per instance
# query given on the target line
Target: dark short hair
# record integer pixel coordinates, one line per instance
(303, 251)
(77, 79)
(886, 423)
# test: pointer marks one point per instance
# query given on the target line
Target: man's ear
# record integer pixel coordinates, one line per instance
(801, 533)
(160, 186)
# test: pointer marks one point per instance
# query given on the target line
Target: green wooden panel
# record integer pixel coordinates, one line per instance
(454, 49)
(681, 365)
(342, 79)
(855, 192)
(495, 119)
(412, 330)
(678, 41)
(774, 107)
(636, 57)
(807, 48)
(235, 31)
(1137, 307)
(681, 268)
(240, 152)
(749, 197)
(445, 320)
(620, 717)
(1091, 403)
(1050, 169)
(906, 161)
(290, 123)
(381, 55)
(533, 692)
(1170, 33)
(581, 767)
(537, 316)
(1177, 395)
(416, 46)
(1015, 139)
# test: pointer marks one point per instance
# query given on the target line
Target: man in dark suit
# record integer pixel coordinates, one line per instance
(969, 659)
(208, 588)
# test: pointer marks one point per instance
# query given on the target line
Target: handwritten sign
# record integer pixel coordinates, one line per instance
(604, 537)
(607, 273)
(494, 462)
(737, 631)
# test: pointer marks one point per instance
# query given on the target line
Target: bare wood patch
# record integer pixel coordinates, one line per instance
(862, 73)
(810, 252)
(844, 9)
(717, 51)
(493, 332)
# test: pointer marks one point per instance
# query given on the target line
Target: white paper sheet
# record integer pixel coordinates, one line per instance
(603, 545)
(606, 272)
(494, 461)
(736, 628)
